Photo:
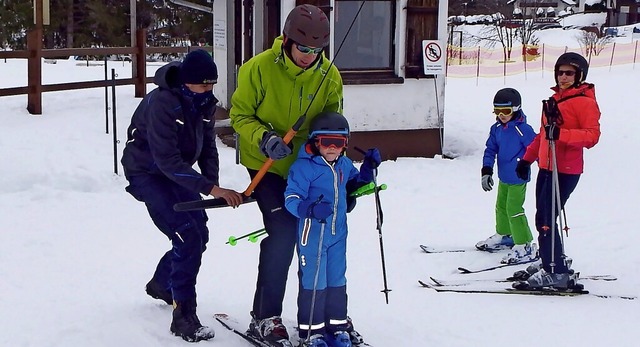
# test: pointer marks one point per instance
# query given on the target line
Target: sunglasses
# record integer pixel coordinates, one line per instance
(327, 141)
(308, 50)
(505, 111)
(569, 73)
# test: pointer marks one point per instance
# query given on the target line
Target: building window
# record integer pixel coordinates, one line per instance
(367, 55)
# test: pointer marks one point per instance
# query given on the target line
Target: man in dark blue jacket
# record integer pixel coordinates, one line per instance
(171, 130)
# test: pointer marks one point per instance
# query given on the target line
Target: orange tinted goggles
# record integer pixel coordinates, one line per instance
(327, 141)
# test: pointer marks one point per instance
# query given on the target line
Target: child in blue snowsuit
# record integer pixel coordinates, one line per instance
(508, 139)
(317, 193)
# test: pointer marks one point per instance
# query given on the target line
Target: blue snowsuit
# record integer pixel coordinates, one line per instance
(322, 244)
(167, 135)
(508, 143)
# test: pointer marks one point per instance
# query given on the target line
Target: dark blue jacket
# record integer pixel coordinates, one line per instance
(168, 135)
(508, 143)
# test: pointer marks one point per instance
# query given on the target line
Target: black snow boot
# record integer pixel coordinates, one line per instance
(186, 323)
(157, 291)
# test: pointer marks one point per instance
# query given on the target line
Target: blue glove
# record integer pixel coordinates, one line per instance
(319, 210)
(371, 161)
(273, 146)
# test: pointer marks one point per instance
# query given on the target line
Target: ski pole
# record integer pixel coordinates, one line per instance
(234, 240)
(254, 238)
(379, 220)
(316, 276)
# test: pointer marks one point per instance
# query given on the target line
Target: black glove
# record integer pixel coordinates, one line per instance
(487, 181)
(552, 132)
(273, 146)
(319, 210)
(522, 169)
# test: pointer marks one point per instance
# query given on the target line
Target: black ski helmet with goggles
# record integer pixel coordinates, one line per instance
(507, 99)
(326, 125)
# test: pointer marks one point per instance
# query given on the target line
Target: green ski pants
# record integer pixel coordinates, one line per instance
(510, 216)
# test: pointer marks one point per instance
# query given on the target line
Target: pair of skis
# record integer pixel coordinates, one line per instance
(228, 323)
(460, 287)
(464, 270)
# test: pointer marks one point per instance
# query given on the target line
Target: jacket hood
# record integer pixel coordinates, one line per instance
(167, 76)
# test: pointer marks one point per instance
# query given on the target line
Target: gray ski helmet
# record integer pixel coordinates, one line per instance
(577, 61)
(308, 26)
(329, 123)
(507, 97)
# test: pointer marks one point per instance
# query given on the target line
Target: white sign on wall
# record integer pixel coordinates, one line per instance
(220, 34)
(433, 57)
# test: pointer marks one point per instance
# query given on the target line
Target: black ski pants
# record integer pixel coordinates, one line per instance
(545, 217)
(178, 268)
(276, 250)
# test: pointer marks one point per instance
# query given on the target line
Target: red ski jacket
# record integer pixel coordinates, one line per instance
(579, 128)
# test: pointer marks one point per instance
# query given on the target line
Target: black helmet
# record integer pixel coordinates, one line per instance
(308, 26)
(577, 61)
(508, 97)
(328, 123)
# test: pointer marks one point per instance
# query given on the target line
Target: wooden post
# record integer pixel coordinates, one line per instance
(34, 64)
(141, 64)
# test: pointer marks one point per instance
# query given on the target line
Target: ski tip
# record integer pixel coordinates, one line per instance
(424, 284)
(439, 283)
(464, 270)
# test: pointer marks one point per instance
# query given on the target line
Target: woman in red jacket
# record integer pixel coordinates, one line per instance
(571, 120)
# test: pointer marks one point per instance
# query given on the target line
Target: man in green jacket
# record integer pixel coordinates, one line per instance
(275, 88)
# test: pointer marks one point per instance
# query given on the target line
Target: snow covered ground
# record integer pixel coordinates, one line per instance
(76, 250)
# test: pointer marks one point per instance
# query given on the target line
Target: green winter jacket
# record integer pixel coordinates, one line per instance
(273, 92)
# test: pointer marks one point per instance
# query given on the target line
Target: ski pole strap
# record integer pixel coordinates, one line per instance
(367, 189)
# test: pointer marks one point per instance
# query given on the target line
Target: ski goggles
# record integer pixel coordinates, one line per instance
(308, 50)
(505, 111)
(327, 141)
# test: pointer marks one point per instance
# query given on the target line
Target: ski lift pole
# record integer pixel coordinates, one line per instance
(379, 220)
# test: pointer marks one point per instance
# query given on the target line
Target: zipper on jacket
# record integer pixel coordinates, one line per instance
(335, 197)
(300, 97)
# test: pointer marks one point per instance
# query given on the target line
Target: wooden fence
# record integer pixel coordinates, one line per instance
(35, 53)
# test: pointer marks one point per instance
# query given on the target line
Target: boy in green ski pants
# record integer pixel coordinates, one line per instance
(508, 140)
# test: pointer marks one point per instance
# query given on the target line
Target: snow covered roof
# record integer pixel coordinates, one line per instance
(592, 2)
(571, 2)
(509, 2)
